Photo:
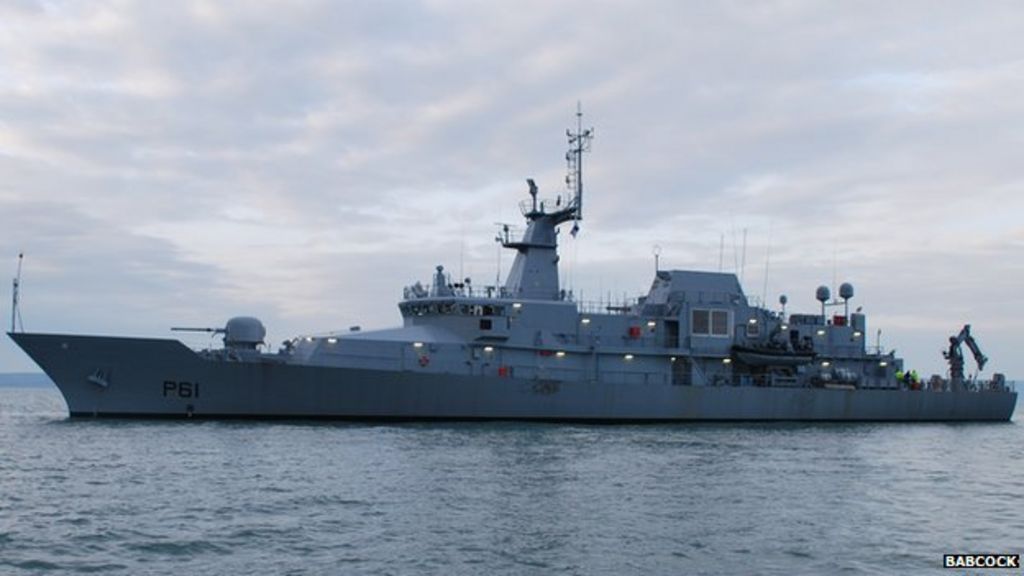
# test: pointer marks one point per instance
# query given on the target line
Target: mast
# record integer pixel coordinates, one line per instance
(579, 142)
(15, 313)
(534, 272)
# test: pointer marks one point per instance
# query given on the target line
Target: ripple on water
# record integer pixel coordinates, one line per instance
(506, 498)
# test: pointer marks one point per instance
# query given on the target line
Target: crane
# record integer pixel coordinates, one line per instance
(956, 357)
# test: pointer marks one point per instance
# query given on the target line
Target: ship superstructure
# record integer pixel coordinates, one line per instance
(693, 348)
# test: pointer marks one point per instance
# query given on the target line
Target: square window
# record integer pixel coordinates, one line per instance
(701, 322)
(485, 323)
(719, 323)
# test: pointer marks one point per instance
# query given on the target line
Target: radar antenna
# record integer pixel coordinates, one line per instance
(15, 311)
(579, 142)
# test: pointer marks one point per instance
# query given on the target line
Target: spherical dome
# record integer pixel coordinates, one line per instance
(823, 294)
(846, 290)
(244, 332)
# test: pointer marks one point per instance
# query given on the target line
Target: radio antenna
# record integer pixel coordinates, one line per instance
(15, 311)
(721, 250)
(767, 263)
(579, 142)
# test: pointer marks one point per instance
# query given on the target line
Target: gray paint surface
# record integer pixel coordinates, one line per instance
(693, 348)
(139, 368)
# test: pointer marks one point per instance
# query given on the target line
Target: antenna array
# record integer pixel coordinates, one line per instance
(15, 311)
(579, 142)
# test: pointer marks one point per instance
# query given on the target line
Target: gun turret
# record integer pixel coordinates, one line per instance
(241, 332)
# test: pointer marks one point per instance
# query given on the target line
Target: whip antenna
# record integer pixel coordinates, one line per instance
(15, 311)
(579, 142)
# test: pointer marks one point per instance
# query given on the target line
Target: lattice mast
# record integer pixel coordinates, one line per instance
(15, 311)
(579, 142)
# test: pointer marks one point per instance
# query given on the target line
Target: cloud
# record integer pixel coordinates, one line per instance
(302, 162)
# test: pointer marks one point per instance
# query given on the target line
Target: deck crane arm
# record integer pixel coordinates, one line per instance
(954, 355)
(980, 358)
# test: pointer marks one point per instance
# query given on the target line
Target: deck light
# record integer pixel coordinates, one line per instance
(488, 349)
(517, 305)
(825, 364)
(332, 340)
(417, 344)
(585, 321)
(726, 360)
(560, 354)
(651, 323)
(821, 332)
(628, 356)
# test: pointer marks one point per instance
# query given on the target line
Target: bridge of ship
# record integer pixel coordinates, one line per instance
(682, 331)
(700, 313)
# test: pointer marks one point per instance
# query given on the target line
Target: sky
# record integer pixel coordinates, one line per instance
(179, 163)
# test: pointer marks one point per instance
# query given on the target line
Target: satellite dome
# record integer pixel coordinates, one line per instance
(846, 290)
(783, 300)
(244, 332)
(823, 294)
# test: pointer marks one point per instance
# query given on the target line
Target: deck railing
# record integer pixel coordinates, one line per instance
(609, 305)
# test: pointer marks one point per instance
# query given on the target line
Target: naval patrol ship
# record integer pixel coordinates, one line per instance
(695, 347)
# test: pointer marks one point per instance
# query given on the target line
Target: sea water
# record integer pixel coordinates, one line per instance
(200, 497)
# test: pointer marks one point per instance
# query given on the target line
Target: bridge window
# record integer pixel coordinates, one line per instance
(719, 323)
(701, 323)
(709, 323)
(451, 308)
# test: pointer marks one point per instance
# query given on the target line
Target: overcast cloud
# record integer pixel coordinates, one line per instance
(169, 163)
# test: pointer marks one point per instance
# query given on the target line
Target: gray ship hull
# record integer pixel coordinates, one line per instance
(135, 377)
